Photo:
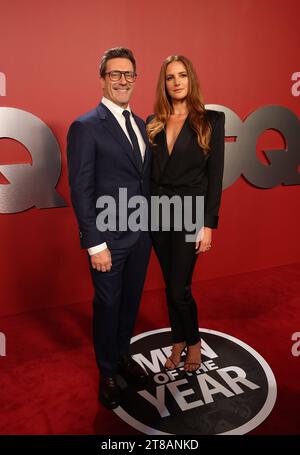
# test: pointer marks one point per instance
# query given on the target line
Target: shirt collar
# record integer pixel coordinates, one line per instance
(114, 108)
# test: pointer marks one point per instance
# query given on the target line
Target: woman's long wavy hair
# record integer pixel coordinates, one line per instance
(163, 105)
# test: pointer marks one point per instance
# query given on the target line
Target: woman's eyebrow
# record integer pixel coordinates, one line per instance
(180, 72)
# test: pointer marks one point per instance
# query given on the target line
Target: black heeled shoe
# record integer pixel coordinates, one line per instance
(171, 359)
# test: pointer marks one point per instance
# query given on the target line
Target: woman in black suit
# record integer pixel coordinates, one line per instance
(188, 160)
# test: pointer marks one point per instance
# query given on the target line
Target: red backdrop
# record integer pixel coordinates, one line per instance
(245, 53)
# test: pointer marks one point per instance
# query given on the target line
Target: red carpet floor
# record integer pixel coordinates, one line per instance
(48, 379)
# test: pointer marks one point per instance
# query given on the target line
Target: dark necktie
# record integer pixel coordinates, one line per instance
(134, 141)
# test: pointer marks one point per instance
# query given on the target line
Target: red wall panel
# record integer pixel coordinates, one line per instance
(245, 53)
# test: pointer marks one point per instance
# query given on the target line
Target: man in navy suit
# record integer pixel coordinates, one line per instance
(107, 150)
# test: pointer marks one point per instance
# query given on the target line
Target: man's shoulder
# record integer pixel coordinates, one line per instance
(89, 117)
(88, 121)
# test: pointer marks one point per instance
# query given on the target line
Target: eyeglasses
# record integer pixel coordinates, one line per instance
(115, 76)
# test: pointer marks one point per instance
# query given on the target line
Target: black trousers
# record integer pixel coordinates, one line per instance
(177, 259)
(116, 302)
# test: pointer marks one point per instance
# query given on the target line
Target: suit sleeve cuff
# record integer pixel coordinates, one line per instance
(97, 248)
(211, 221)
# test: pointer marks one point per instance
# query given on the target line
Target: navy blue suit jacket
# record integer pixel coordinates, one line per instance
(100, 161)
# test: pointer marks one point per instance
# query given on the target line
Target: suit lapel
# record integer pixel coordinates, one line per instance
(180, 144)
(163, 157)
(181, 139)
(116, 131)
(143, 131)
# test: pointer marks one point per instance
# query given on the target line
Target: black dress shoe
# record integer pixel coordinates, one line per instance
(132, 371)
(109, 392)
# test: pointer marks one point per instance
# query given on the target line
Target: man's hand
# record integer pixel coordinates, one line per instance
(102, 261)
(203, 241)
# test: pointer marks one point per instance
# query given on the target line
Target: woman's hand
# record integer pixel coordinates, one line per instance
(203, 241)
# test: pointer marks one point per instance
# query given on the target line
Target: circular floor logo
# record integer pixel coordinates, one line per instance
(233, 391)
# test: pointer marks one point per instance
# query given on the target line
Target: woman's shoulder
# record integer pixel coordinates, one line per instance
(213, 115)
(149, 118)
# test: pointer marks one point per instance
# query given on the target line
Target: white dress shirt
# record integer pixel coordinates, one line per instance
(117, 111)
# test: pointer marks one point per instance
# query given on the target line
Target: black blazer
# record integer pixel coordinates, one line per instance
(100, 161)
(187, 171)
